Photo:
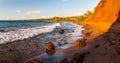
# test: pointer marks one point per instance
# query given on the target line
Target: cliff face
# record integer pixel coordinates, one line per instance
(106, 47)
(106, 11)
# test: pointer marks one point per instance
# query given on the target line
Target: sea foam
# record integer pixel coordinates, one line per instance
(21, 34)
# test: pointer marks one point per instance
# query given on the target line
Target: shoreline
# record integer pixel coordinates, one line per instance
(90, 27)
(29, 47)
(60, 53)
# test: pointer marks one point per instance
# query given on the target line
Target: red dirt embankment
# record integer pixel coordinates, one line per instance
(105, 24)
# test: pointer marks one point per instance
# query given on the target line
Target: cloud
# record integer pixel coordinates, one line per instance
(18, 11)
(33, 12)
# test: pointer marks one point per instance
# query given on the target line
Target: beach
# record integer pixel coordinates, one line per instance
(90, 27)
(26, 48)
(59, 32)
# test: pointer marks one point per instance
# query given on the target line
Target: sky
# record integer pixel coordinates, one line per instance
(33, 9)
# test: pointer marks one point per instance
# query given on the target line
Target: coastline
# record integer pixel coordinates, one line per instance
(90, 27)
(26, 48)
(66, 51)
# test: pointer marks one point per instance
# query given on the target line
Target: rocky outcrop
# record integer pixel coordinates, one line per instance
(106, 11)
(61, 31)
(80, 42)
(77, 58)
(106, 47)
(50, 48)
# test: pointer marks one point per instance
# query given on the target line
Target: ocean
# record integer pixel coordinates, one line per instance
(11, 31)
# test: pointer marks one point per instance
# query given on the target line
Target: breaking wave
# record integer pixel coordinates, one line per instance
(21, 34)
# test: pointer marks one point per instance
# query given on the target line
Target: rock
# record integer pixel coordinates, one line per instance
(79, 57)
(50, 48)
(80, 42)
(59, 43)
(85, 35)
(84, 41)
(96, 46)
(35, 61)
(66, 60)
(61, 31)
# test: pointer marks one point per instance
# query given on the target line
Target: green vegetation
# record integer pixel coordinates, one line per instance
(83, 17)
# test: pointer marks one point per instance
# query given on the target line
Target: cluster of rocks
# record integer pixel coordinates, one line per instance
(77, 58)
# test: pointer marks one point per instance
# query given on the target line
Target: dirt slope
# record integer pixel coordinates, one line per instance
(106, 47)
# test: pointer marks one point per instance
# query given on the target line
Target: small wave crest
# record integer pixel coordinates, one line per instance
(21, 34)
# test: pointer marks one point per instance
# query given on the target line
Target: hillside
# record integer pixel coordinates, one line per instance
(83, 17)
(105, 48)
(106, 11)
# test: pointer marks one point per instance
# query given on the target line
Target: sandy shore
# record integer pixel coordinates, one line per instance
(95, 28)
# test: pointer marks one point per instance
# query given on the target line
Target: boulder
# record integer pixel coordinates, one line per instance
(61, 31)
(50, 48)
(78, 57)
(80, 42)
(85, 35)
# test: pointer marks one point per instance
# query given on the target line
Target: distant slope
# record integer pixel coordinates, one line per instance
(83, 17)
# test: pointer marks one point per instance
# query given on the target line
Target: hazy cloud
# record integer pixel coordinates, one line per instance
(18, 11)
(33, 12)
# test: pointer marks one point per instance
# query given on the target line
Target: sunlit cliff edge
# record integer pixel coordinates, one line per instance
(105, 23)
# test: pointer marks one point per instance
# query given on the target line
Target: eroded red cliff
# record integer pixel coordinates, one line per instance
(106, 11)
(106, 47)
